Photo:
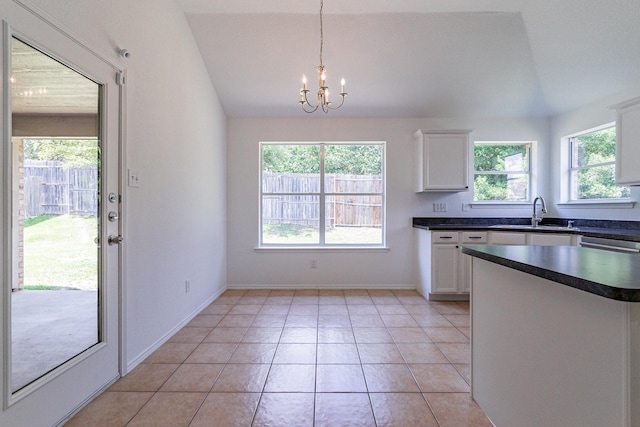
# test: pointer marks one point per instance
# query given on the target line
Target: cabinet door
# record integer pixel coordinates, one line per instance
(547, 239)
(506, 238)
(443, 160)
(445, 268)
(628, 143)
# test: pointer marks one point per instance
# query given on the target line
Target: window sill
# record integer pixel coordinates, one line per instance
(322, 249)
(620, 204)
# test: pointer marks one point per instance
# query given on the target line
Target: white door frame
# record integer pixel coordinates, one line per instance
(56, 396)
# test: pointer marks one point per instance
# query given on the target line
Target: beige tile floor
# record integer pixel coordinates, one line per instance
(303, 358)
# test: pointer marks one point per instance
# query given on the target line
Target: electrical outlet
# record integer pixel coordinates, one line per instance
(439, 207)
(187, 286)
(465, 207)
(314, 263)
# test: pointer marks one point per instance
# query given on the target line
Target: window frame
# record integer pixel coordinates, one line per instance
(570, 139)
(530, 172)
(322, 197)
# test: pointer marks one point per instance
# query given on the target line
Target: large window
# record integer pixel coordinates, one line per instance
(322, 194)
(502, 171)
(592, 168)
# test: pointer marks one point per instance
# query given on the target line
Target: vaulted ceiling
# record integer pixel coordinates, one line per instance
(419, 58)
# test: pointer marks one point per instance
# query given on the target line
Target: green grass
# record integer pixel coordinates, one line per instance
(299, 234)
(46, 288)
(60, 252)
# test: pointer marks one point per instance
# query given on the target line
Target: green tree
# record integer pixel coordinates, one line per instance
(595, 153)
(498, 158)
(345, 159)
(72, 152)
(291, 158)
(353, 159)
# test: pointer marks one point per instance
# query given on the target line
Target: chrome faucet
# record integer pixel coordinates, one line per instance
(536, 219)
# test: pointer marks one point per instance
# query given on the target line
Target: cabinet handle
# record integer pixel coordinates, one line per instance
(446, 237)
(475, 237)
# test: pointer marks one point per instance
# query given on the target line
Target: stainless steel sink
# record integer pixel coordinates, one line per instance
(531, 227)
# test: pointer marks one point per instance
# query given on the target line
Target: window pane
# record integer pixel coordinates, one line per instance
(597, 183)
(501, 157)
(290, 219)
(291, 168)
(353, 169)
(353, 220)
(593, 148)
(507, 187)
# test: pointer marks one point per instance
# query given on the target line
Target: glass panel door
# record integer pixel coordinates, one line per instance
(56, 166)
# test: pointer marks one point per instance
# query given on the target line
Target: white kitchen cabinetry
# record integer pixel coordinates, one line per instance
(507, 238)
(628, 142)
(550, 239)
(451, 270)
(532, 239)
(442, 158)
(445, 273)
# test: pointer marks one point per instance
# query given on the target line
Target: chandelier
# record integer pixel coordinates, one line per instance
(323, 89)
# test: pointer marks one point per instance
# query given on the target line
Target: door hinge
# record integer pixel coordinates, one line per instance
(120, 78)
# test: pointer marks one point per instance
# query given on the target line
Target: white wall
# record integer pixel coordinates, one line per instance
(587, 117)
(247, 267)
(176, 140)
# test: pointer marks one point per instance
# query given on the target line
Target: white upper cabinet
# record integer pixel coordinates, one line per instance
(442, 158)
(628, 142)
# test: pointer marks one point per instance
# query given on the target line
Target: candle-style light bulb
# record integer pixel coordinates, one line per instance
(342, 84)
(304, 82)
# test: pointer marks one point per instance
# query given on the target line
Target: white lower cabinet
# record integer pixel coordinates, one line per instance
(450, 269)
(549, 239)
(532, 239)
(507, 238)
(447, 275)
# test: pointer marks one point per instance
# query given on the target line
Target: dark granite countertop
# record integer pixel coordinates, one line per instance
(620, 230)
(608, 274)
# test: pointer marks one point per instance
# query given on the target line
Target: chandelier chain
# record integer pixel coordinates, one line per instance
(321, 31)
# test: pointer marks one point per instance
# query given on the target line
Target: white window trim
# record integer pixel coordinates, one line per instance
(568, 202)
(322, 245)
(599, 203)
(533, 185)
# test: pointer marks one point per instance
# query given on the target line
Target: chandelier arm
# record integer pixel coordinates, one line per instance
(342, 102)
(306, 102)
(309, 111)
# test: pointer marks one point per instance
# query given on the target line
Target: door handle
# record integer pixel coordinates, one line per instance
(115, 240)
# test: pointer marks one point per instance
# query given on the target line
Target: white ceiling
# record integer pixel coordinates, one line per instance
(419, 58)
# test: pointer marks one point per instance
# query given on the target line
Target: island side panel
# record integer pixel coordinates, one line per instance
(544, 354)
(634, 362)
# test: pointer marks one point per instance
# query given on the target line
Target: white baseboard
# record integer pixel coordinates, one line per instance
(153, 347)
(322, 286)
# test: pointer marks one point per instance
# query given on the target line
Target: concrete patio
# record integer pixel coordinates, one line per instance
(48, 328)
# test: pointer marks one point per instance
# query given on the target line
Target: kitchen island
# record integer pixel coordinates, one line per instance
(555, 335)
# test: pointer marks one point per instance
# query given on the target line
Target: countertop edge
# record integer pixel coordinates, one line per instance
(596, 288)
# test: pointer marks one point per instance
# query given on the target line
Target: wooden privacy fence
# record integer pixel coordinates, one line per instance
(52, 188)
(349, 200)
